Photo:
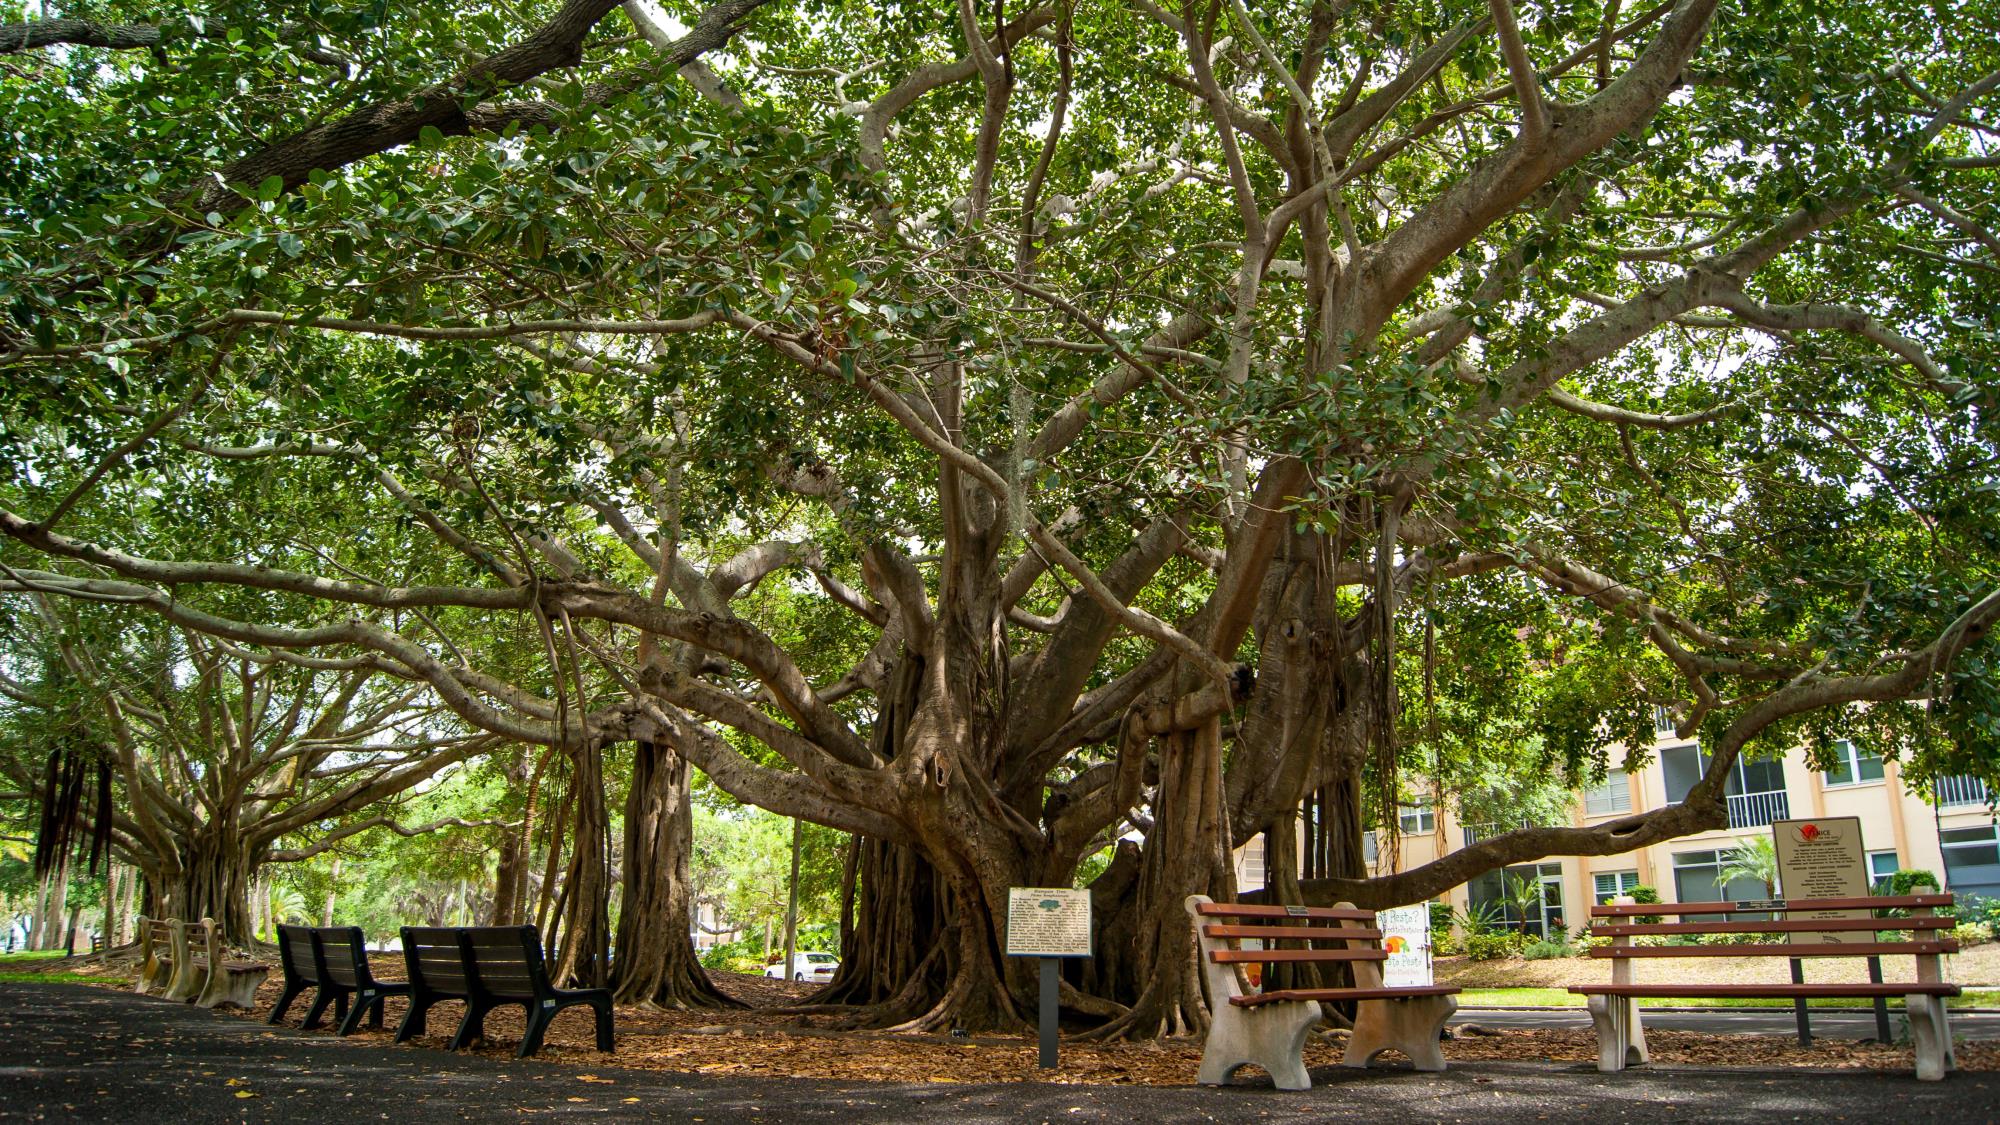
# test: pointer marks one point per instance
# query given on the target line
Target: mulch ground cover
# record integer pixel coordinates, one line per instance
(765, 1040)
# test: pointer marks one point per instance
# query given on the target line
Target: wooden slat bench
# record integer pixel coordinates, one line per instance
(342, 955)
(1614, 1007)
(157, 962)
(1268, 1028)
(489, 967)
(212, 980)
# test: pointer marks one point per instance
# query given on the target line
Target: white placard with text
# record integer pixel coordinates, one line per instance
(1048, 922)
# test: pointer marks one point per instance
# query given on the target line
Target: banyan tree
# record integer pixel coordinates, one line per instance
(1042, 438)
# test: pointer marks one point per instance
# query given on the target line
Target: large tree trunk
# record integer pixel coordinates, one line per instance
(656, 965)
(1183, 855)
(892, 933)
(583, 958)
(214, 882)
(510, 876)
(50, 903)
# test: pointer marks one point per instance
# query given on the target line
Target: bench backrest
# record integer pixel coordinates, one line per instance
(160, 933)
(343, 955)
(295, 954)
(506, 960)
(1843, 935)
(435, 960)
(1285, 935)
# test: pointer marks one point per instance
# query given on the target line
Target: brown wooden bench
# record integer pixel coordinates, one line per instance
(157, 962)
(212, 979)
(1614, 1007)
(1268, 1028)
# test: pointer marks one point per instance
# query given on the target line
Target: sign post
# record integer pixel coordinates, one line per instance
(1048, 923)
(1822, 858)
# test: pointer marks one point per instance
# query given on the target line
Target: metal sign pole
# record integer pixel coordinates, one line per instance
(1051, 968)
(1799, 1005)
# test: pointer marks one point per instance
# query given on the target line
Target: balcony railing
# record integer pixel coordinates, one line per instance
(1754, 810)
(1477, 832)
(1962, 790)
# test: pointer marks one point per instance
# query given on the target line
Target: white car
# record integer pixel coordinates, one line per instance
(806, 966)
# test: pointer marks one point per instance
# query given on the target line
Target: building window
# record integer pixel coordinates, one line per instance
(1612, 796)
(1369, 852)
(1971, 847)
(1698, 878)
(1417, 819)
(1853, 765)
(1754, 792)
(1683, 766)
(1494, 891)
(1250, 875)
(1881, 865)
(1663, 719)
(1611, 884)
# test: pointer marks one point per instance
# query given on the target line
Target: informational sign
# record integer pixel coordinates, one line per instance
(1048, 922)
(1823, 858)
(1406, 938)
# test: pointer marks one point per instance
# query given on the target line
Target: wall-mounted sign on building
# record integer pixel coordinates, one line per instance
(1823, 858)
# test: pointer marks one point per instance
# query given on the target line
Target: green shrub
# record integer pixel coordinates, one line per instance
(1906, 882)
(1541, 950)
(1440, 919)
(1490, 947)
(1969, 934)
(1646, 895)
(1974, 908)
(1445, 943)
(742, 956)
(1481, 918)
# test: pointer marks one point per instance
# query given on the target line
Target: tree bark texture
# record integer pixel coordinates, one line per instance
(656, 964)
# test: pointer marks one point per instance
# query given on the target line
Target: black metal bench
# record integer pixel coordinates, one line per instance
(300, 965)
(489, 967)
(342, 956)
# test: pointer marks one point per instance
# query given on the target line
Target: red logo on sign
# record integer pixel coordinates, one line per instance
(1809, 831)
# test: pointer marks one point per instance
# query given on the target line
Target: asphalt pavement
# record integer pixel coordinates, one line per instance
(76, 1053)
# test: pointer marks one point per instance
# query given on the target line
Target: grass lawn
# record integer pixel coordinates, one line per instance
(1563, 998)
(11, 960)
(25, 968)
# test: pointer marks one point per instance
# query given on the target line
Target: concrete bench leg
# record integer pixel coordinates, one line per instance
(1932, 1034)
(1410, 1025)
(188, 981)
(233, 987)
(1272, 1036)
(1621, 1038)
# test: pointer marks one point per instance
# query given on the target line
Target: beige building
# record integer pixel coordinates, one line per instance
(1953, 835)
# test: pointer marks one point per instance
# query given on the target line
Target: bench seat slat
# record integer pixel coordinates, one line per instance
(1292, 933)
(1776, 926)
(1253, 910)
(1284, 994)
(1272, 956)
(1767, 991)
(1829, 949)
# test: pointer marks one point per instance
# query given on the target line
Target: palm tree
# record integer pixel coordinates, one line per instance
(1754, 858)
(1524, 894)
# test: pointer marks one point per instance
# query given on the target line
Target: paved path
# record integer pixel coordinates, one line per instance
(1831, 1023)
(75, 1053)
